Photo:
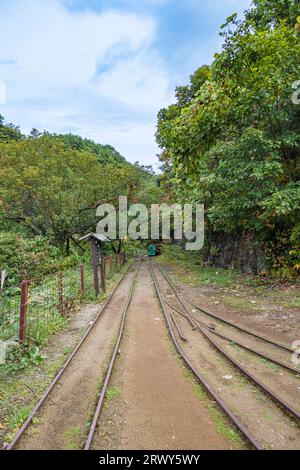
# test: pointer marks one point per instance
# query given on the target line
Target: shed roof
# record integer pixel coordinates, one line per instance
(95, 236)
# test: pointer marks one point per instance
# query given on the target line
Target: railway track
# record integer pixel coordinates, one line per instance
(110, 367)
(177, 318)
(180, 315)
(245, 332)
(55, 382)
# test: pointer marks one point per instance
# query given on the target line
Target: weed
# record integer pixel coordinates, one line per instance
(112, 393)
(73, 438)
(223, 427)
(18, 418)
(270, 365)
(20, 357)
(221, 422)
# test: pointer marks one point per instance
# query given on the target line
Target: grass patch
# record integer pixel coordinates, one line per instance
(112, 393)
(73, 438)
(222, 424)
(258, 394)
(191, 269)
(241, 303)
(18, 418)
(270, 365)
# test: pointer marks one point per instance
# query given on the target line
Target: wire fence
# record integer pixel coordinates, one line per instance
(39, 308)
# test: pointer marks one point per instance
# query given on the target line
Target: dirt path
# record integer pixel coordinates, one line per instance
(151, 404)
(62, 421)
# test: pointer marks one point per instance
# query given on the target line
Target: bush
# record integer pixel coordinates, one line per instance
(34, 257)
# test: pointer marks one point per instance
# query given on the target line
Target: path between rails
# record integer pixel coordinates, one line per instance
(151, 404)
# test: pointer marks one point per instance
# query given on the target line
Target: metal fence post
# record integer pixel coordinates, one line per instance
(60, 293)
(23, 310)
(95, 267)
(103, 272)
(82, 286)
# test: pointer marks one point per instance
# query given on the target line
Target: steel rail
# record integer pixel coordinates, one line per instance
(238, 327)
(239, 366)
(241, 345)
(242, 428)
(189, 319)
(110, 368)
(178, 328)
(254, 351)
(228, 322)
(64, 367)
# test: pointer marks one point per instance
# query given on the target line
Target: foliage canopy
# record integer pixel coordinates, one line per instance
(232, 138)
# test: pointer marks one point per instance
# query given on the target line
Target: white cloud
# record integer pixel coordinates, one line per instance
(139, 81)
(51, 66)
(139, 134)
(54, 48)
(96, 74)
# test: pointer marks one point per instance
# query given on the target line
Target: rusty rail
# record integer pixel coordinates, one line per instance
(178, 328)
(237, 364)
(64, 367)
(242, 428)
(228, 322)
(241, 345)
(110, 367)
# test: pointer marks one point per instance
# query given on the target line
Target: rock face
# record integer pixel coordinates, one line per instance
(242, 252)
(224, 250)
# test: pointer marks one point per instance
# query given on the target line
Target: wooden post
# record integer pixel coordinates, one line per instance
(23, 310)
(82, 286)
(95, 266)
(60, 293)
(111, 263)
(103, 271)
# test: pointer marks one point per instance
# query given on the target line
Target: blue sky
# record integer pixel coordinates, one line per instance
(103, 69)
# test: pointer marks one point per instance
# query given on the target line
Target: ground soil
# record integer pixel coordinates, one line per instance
(257, 311)
(151, 404)
(272, 427)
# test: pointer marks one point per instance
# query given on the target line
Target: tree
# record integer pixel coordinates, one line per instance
(232, 138)
(9, 131)
(52, 190)
(35, 133)
(105, 153)
(49, 189)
